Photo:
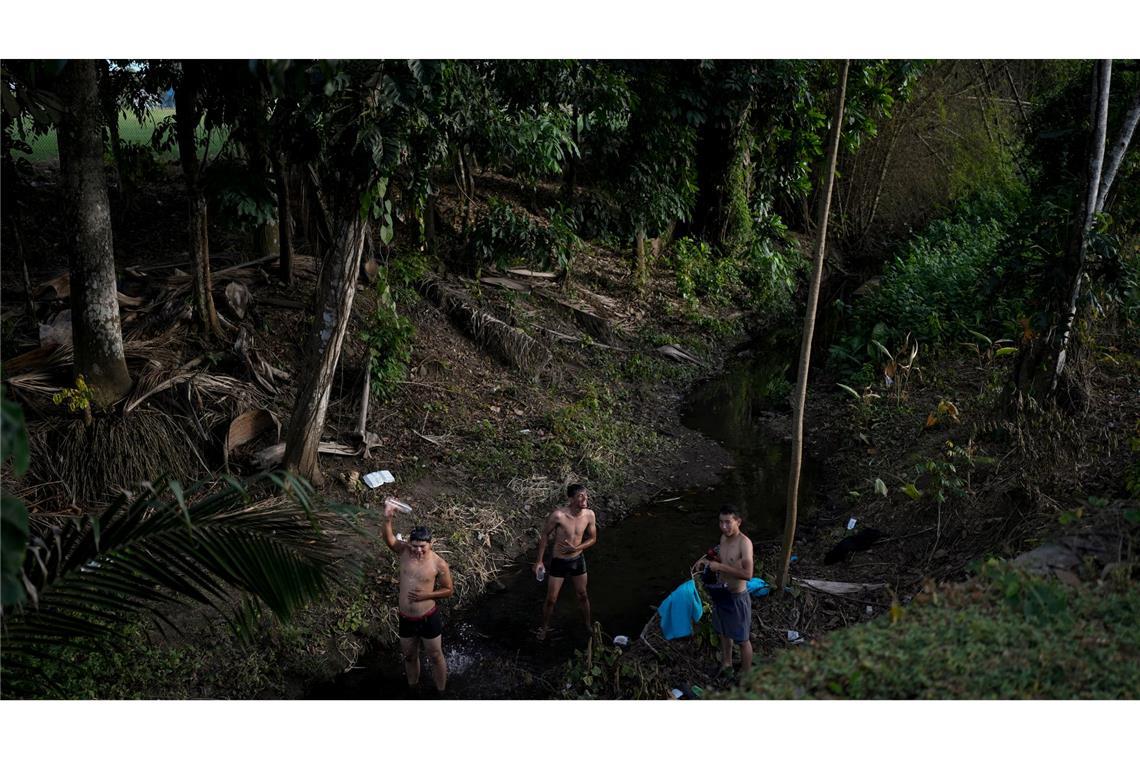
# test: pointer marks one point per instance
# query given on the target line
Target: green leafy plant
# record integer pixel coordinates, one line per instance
(388, 336)
(945, 285)
(13, 511)
(77, 399)
(504, 235)
(218, 547)
(602, 671)
(566, 243)
(700, 273)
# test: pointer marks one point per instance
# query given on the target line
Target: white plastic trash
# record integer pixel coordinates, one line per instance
(378, 478)
(851, 524)
(676, 693)
(621, 641)
(793, 635)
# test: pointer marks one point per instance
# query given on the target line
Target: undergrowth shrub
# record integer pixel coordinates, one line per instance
(763, 276)
(387, 333)
(944, 284)
(1003, 635)
(505, 236)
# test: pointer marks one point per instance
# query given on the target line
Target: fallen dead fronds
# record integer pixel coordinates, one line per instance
(93, 461)
(508, 344)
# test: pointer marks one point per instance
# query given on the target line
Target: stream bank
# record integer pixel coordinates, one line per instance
(491, 644)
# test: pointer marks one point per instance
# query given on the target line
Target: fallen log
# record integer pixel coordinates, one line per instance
(272, 455)
(597, 326)
(676, 353)
(509, 345)
(837, 587)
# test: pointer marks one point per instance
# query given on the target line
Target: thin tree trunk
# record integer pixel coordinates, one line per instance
(336, 288)
(1119, 148)
(800, 397)
(468, 190)
(570, 177)
(267, 238)
(187, 115)
(9, 198)
(97, 336)
(429, 225)
(29, 306)
(640, 265)
(284, 221)
(882, 181)
(1084, 220)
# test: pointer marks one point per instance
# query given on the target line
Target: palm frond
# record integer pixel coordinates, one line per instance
(164, 547)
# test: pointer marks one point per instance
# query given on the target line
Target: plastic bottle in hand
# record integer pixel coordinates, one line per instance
(405, 508)
(540, 574)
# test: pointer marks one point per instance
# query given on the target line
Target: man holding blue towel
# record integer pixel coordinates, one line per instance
(732, 605)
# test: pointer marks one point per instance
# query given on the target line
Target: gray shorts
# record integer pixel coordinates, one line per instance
(732, 615)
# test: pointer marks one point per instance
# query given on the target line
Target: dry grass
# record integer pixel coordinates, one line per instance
(91, 462)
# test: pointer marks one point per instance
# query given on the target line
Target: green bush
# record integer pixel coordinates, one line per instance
(945, 283)
(505, 236)
(388, 336)
(1006, 635)
(701, 274)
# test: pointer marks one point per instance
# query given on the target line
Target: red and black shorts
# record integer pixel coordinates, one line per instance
(426, 626)
(566, 568)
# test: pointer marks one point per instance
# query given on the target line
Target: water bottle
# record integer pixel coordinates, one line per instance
(540, 574)
(405, 508)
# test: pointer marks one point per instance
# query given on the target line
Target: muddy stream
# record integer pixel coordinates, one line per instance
(635, 564)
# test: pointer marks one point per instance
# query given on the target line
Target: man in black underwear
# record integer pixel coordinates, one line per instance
(420, 618)
(574, 528)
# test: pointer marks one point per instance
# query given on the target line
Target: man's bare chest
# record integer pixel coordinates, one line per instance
(418, 575)
(572, 526)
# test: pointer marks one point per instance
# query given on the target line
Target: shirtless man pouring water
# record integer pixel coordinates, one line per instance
(574, 529)
(420, 618)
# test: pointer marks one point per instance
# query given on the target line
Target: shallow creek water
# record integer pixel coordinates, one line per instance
(635, 564)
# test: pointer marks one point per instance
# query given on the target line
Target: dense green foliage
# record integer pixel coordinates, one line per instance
(505, 235)
(1009, 636)
(90, 577)
(943, 286)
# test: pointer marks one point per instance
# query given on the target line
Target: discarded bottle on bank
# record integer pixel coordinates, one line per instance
(405, 508)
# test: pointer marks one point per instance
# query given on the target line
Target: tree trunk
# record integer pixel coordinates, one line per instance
(97, 336)
(570, 175)
(468, 189)
(1119, 148)
(1084, 220)
(800, 398)
(187, 116)
(721, 186)
(640, 265)
(429, 225)
(284, 221)
(336, 289)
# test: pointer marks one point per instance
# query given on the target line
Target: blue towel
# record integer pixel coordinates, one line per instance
(679, 611)
(758, 587)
